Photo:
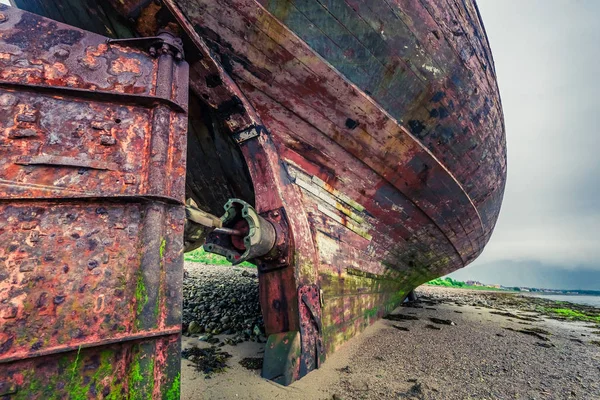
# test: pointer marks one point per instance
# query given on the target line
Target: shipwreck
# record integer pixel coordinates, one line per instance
(351, 149)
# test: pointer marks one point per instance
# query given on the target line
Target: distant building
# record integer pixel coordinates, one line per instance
(474, 283)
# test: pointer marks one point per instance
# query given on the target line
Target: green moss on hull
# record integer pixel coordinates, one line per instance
(174, 391)
(163, 245)
(141, 294)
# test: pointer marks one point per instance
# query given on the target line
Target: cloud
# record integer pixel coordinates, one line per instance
(530, 273)
(547, 56)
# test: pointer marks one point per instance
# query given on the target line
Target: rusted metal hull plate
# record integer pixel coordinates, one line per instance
(80, 274)
(92, 174)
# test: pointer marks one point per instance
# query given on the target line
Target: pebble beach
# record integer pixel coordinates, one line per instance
(450, 344)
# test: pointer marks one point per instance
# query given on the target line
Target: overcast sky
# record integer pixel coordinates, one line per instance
(547, 56)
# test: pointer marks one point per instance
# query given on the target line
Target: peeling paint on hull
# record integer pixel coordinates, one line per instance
(375, 127)
(387, 121)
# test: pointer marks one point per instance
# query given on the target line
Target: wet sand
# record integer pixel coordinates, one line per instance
(477, 358)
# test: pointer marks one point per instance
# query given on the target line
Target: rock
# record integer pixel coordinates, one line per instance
(429, 326)
(194, 327)
(441, 321)
(400, 317)
(204, 338)
(252, 362)
(220, 300)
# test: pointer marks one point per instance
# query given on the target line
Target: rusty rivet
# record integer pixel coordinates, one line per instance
(282, 260)
(107, 140)
(34, 237)
(101, 211)
(27, 266)
(26, 117)
(9, 312)
(37, 345)
(78, 132)
(42, 300)
(101, 125)
(92, 264)
(22, 133)
(62, 53)
(76, 333)
(3, 18)
(129, 179)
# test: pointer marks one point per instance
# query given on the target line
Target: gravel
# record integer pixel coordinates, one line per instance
(221, 300)
(488, 353)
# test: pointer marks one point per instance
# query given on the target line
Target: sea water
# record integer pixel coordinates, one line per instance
(571, 298)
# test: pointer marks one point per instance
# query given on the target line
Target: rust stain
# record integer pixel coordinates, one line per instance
(123, 64)
(90, 283)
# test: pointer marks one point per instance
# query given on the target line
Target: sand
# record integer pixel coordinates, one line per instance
(478, 358)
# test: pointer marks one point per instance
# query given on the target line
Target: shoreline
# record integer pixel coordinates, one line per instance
(493, 350)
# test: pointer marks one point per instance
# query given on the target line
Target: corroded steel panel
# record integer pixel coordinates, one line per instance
(92, 175)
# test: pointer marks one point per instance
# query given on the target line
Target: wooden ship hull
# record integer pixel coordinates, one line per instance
(358, 146)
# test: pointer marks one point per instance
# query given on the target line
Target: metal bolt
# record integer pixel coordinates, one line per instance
(61, 53)
(275, 214)
(152, 51)
(107, 140)
(92, 264)
(282, 260)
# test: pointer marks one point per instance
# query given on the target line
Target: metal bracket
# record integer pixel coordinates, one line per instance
(310, 328)
(279, 256)
(248, 133)
(164, 43)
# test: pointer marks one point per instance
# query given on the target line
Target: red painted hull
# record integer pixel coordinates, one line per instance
(391, 180)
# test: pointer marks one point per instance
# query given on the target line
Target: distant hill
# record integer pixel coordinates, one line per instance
(449, 282)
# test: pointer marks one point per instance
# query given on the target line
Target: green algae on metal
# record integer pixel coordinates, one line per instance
(174, 391)
(163, 245)
(141, 295)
